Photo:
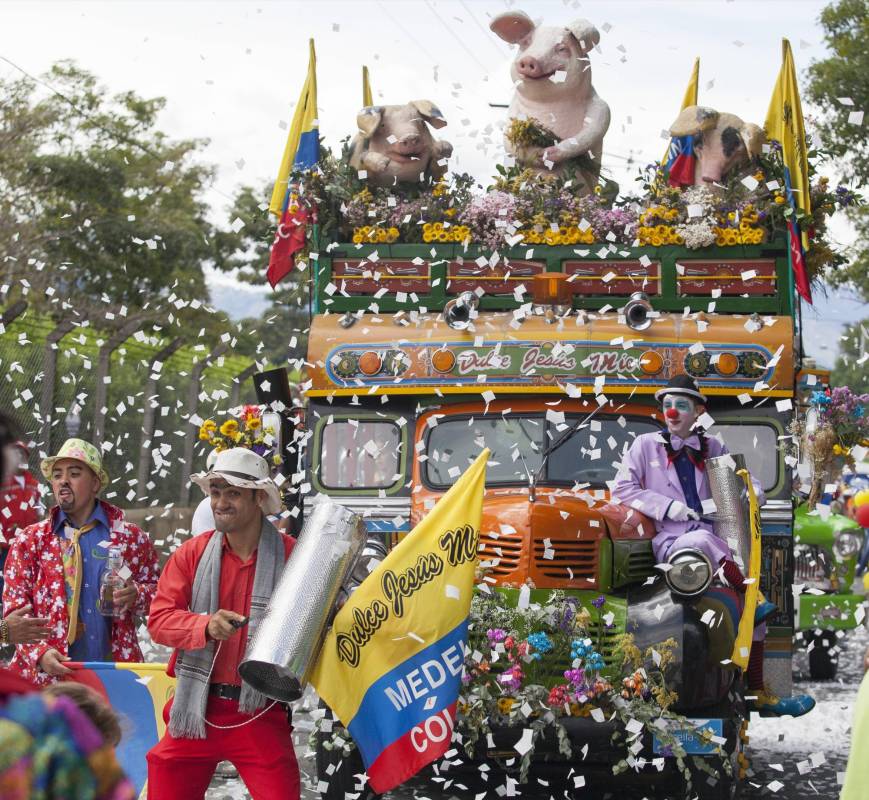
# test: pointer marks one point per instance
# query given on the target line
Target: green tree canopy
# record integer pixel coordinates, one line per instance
(833, 81)
(852, 364)
(97, 205)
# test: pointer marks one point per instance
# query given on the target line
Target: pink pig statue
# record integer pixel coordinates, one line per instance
(394, 144)
(722, 142)
(552, 76)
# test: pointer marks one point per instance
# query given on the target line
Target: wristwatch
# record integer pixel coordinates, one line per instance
(4, 632)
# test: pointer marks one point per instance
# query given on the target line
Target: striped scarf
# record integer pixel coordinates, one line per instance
(193, 667)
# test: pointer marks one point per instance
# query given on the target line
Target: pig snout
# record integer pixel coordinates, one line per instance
(408, 144)
(530, 67)
(721, 151)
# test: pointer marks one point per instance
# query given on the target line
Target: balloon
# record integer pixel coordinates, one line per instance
(863, 516)
(861, 498)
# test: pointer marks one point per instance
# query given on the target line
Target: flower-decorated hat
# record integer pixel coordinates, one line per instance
(79, 450)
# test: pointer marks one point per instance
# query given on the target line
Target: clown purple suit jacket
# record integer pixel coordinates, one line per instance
(646, 482)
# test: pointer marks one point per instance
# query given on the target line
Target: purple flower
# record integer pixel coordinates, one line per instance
(496, 635)
(599, 602)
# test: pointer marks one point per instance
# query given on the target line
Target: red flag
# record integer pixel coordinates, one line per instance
(798, 263)
(289, 239)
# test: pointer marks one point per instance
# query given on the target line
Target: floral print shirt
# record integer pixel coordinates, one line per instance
(34, 576)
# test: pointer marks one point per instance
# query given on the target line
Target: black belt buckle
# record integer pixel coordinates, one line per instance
(226, 691)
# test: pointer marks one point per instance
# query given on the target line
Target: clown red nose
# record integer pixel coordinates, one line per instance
(671, 413)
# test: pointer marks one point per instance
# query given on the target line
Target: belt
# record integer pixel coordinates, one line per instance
(227, 691)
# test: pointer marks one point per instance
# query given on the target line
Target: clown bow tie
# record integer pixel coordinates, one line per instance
(692, 442)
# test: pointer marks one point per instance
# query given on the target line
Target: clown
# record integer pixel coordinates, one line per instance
(663, 476)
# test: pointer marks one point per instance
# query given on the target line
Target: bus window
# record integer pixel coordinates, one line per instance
(758, 443)
(363, 454)
(515, 443)
(591, 455)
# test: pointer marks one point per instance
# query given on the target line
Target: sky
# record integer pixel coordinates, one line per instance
(232, 71)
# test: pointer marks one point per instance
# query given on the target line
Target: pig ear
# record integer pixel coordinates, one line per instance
(368, 119)
(429, 112)
(754, 137)
(512, 26)
(694, 120)
(585, 33)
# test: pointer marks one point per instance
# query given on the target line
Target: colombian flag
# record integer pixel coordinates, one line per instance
(680, 158)
(138, 692)
(391, 666)
(784, 123)
(302, 151)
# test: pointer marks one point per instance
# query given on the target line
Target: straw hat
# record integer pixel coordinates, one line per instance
(239, 466)
(79, 450)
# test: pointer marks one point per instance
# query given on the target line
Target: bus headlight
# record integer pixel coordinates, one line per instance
(690, 573)
(846, 545)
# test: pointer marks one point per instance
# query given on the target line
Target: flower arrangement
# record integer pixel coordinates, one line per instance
(842, 424)
(533, 667)
(375, 234)
(244, 430)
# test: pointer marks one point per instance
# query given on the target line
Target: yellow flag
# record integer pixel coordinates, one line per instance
(367, 99)
(391, 666)
(303, 143)
(742, 645)
(690, 98)
(784, 123)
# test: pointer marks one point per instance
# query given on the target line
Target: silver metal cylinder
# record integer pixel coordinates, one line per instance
(288, 641)
(731, 505)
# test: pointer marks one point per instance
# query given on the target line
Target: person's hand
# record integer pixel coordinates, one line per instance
(125, 598)
(220, 625)
(679, 512)
(51, 663)
(24, 629)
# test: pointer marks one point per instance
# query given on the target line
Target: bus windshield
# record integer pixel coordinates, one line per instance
(590, 455)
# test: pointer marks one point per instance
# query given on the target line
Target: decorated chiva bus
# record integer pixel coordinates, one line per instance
(540, 318)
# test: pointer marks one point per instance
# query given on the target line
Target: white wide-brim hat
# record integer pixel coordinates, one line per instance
(239, 466)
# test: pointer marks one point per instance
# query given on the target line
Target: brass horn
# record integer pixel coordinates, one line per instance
(637, 312)
(459, 311)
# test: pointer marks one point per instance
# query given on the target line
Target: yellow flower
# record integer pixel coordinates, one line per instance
(254, 423)
(779, 199)
(505, 704)
(656, 240)
(277, 460)
(229, 428)
(450, 212)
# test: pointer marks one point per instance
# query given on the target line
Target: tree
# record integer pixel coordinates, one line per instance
(845, 74)
(852, 365)
(97, 205)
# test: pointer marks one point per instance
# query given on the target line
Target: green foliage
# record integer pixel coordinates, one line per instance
(852, 367)
(845, 73)
(97, 205)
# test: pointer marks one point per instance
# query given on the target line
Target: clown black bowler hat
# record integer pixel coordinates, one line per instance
(681, 384)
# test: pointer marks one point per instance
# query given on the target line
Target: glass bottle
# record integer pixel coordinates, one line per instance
(110, 582)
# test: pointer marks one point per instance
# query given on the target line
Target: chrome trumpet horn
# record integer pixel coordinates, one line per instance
(459, 312)
(638, 312)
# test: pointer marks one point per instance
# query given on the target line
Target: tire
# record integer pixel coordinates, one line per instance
(823, 664)
(341, 781)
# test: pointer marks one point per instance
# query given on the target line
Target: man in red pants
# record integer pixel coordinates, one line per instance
(210, 599)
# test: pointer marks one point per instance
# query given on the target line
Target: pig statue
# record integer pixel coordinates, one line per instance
(722, 142)
(394, 144)
(552, 77)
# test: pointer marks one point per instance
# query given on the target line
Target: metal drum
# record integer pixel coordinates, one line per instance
(288, 641)
(731, 505)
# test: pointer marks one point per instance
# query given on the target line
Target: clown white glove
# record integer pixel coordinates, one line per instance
(679, 512)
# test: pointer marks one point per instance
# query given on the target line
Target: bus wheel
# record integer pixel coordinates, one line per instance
(336, 773)
(823, 660)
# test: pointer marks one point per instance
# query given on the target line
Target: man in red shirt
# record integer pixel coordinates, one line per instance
(210, 599)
